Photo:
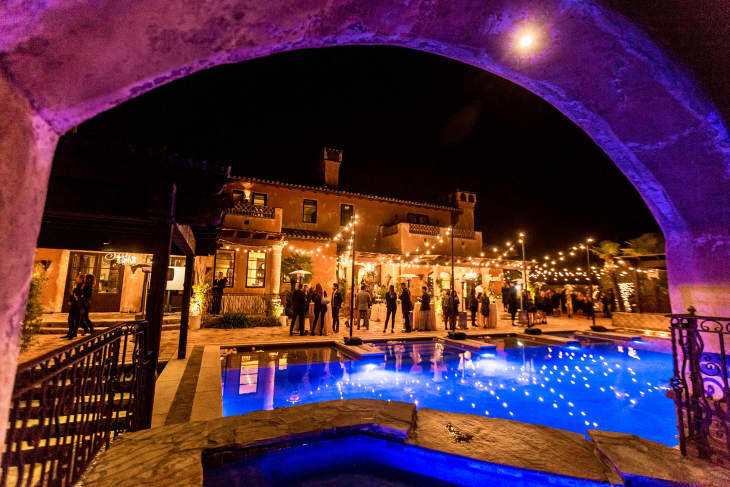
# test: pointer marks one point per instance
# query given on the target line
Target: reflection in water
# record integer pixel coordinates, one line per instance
(604, 386)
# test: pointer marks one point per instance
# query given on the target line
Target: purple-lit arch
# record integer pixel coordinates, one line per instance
(65, 61)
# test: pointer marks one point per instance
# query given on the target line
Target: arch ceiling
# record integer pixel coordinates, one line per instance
(74, 59)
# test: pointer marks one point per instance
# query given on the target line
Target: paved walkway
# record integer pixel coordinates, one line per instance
(270, 335)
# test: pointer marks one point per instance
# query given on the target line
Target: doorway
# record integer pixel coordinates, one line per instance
(108, 278)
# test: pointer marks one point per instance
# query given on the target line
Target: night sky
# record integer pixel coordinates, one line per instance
(412, 125)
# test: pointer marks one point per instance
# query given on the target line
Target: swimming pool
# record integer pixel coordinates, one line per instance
(607, 386)
(364, 460)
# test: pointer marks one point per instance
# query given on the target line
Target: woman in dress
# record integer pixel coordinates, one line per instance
(327, 316)
(319, 309)
(74, 311)
(484, 310)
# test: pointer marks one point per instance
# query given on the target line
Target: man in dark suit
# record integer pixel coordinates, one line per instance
(405, 306)
(336, 305)
(219, 285)
(299, 305)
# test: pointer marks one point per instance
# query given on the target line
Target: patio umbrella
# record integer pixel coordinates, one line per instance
(300, 273)
(409, 277)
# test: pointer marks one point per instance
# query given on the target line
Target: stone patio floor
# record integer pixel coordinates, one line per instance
(44, 344)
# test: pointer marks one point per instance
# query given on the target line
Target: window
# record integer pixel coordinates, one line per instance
(225, 262)
(237, 195)
(109, 277)
(259, 199)
(418, 218)
(309, 211)
(346, 212)
(256, 269)
(463, 197)
(471, 198)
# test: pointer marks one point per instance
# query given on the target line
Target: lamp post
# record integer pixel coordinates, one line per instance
(353, 220)
(524, 272)
(451, 232)
(590, 278)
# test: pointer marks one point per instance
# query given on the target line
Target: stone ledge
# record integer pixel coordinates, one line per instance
(635, 459)
(172, 455)
(505, 442)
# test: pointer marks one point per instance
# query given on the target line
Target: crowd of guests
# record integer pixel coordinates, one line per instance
(549, 302)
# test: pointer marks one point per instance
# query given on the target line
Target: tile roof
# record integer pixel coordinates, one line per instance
(306, 234)
(325, 189)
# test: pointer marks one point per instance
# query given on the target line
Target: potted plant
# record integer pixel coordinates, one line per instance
(198, 301)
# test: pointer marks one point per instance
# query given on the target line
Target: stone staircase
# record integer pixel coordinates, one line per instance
(58, 327)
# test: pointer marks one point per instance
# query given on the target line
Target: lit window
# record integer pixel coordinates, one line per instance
(418, 218)
(225, 262)
(249, 378)
(309, 211)
(237, 195)
(256, 269)
(346, 212)
(259, 199)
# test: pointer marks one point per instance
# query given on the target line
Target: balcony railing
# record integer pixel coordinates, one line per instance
(419, 229)
(250, 304)
(700, 385)
(68, 404)
(256, 211)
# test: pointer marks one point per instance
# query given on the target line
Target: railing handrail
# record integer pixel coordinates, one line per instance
(250, 209)
(23, 367)
(698, 317)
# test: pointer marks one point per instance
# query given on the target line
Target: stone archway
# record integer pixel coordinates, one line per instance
(63, 62)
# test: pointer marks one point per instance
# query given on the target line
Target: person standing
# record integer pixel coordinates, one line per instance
(425, 309)
(391, 305)
(405, 306)
(74, 310)
(454, 309)
(473, 307)
(506, 290)
(446, 309)
(513, 303)
(484, 309)
(299, 307)
(336, 305)
(363, 306)
(86, 293)
(219, 284)
(319, 309)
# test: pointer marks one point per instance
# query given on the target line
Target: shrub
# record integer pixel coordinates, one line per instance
(240, 320)
(33, 310)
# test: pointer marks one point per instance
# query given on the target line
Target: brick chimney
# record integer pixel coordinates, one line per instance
(329, 167)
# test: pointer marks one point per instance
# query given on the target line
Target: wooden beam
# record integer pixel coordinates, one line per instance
(184, 239)
(185, 312)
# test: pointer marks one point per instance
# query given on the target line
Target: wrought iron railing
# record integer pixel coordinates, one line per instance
(70, 403)
(700, 384)
(257, 211)
(420, 229)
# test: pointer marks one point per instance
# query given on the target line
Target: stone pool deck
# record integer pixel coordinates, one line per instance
(274, 335)
(172, 455)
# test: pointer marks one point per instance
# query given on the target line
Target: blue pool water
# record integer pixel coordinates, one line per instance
(367, 461)
(602, 386)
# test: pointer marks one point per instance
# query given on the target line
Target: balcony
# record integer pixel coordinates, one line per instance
(253, 218)
(408, 237)
(257, 211)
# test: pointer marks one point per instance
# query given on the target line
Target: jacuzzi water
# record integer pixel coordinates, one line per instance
(366, 461)
(612, 387)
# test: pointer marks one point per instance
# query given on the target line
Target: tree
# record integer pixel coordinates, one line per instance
(648, 243)
(296, 262)
(608, 250)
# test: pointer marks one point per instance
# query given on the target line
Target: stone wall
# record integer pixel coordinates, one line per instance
(641, 321)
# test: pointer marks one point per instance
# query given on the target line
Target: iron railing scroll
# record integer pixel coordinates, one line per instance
(70, 403)
(700, 384)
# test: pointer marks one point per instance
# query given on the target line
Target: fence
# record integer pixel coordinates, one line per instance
(700, 385)
(250, 304)
(70, 403)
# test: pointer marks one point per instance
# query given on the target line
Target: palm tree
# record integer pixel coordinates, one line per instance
(648, 243)
(608, 250)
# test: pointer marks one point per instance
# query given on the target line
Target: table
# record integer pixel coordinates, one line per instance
(418, 321)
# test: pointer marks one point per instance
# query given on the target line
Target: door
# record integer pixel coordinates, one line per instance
(108, 276)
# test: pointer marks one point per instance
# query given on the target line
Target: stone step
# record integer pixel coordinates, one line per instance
(551, 339)
(612, 335)
(471, 345)
(105, 323)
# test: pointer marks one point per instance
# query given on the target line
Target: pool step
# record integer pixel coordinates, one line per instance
(551, 339)
(611, 335)
(360, 352)
(472, 345)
